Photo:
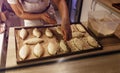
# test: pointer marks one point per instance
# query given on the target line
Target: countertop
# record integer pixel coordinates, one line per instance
(100, 64)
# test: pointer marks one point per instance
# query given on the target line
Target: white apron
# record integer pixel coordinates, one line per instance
(37, 6)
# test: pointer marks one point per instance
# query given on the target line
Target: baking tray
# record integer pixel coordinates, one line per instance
(47, 57)
(116, 5)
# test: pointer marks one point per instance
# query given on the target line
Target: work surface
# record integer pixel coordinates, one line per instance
(74, 64)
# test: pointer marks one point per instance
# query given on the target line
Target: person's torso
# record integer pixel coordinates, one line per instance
(35, 6)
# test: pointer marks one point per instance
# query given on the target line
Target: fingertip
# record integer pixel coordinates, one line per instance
(65, 39)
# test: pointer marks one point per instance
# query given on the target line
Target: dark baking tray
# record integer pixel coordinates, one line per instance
(116, 5)
(59, 55)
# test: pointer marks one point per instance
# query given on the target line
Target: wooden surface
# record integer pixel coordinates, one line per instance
(102, 64)
(108, 4)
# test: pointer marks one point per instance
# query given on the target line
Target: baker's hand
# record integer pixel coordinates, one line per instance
(66, 29)
(46, 17)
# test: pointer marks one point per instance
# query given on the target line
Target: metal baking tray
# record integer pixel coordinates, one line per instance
(49, 57)
(116, 5)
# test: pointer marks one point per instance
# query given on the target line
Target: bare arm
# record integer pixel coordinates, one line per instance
(20, 13)
(17, 8)
(65, 24)
(61, 4)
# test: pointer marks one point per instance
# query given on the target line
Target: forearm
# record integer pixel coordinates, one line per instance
(65, 24)
(20, 13)
(63, 9)
(30, 16)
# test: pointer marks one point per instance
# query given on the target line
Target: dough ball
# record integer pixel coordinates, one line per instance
(63, 46)
(78, 43)
(23, 33)
(91, 41)
(36, 32)
(80, 28)
(38, 50)
(77, 34)
(24, 52)
(52, 48)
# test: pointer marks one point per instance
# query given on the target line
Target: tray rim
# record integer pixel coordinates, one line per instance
(58, 55)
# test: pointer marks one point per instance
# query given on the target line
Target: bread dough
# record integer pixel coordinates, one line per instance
(23, 33)
(48, 33)
(77, 34)
(38, 50)
(72, 46)
(78, 43)
(52, 48)
(73, 28)
(24, 52)
(91, 41)
(33, 41)
(36, 32)
(59, 31)
(63, 46)
(80, 28)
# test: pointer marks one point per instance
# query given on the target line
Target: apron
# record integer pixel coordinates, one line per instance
(37, 6)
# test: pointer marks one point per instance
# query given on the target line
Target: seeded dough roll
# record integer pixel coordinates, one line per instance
(63, 46)
(78, 43)
(72, 45)
(59, 31)
(80, 28)
(77, 34)
(91, 41)
(73, 28)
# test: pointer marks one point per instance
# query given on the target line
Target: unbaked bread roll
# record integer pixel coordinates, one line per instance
(52, 48)
(72, 45)
(59, 31)
(80, 28)
(77, 34)
(24, 52)
(33, 41)
(91, 41)
(38, 50)
(73, 28)
(63, 46)
(23, 33)
(78, 43)
(48, 33)
(36, 32)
